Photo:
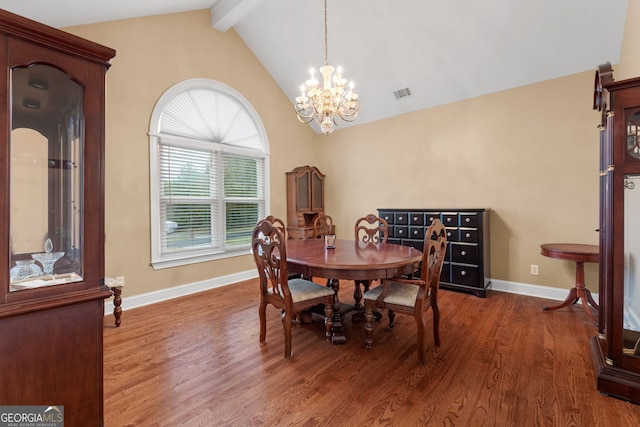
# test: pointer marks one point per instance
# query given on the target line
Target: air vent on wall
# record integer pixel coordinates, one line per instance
(401, 93)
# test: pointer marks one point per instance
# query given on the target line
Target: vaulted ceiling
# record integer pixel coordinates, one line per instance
(442, 51)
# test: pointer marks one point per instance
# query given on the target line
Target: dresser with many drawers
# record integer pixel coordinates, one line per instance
(466, 266)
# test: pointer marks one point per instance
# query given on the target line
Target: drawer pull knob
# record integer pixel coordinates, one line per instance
(415, 218)
(415, 232)
(464, 273)
(468, 235)
(463, 253)
(448, 219)
(449, 234)
(468, 220)
(400, 231)
(431, 219)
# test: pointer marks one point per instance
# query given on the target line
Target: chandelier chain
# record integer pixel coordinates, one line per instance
(326, 37)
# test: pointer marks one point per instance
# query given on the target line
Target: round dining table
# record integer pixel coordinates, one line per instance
(350, 260)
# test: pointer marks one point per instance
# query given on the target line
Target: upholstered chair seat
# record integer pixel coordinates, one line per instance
(302, 290)
(404, 294)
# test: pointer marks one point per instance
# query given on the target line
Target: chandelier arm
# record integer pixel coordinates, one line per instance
(304, 119)
(350, 117)
(305, 115)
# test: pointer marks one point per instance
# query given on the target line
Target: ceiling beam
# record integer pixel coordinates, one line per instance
(226, 13)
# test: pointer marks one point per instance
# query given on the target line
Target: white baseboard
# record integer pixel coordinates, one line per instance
(539, 291)
(179, 291)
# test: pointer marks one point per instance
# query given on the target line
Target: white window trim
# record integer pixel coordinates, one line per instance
(158, 259)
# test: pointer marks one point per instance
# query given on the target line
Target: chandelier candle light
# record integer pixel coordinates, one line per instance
(330, 102)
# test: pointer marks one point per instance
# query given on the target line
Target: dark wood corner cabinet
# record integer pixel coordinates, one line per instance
(52, 219)
(305, 201)
(466, 266)
(616, 348)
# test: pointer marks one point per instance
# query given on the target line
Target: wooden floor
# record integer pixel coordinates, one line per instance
(197, 361)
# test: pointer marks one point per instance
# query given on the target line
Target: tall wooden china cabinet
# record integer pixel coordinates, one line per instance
(52, 219)
(616, 349)
(305, 201)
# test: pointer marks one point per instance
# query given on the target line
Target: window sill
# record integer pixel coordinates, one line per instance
(178, 262)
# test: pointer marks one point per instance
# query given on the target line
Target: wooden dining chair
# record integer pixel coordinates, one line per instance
(368, 229)
(412, 297)
(288, 295)
(323, 225)
(371, 229)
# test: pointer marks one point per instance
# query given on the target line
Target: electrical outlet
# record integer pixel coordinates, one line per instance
(120, 280)
(534, 269)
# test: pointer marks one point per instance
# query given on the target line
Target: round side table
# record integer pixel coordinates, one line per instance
(579, 254)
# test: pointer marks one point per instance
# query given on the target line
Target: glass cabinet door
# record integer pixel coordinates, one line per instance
(46, 170)
(318, 202)
(303, 191)
(631, 282)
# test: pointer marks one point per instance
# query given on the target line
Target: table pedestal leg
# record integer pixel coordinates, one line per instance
(337, 331)
(579, 292)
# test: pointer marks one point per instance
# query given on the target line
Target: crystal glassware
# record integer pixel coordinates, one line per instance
(24, 269)
(47, 260)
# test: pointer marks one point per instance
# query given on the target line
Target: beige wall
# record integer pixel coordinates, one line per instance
(530, 154)
(629, 66)
(152, 55)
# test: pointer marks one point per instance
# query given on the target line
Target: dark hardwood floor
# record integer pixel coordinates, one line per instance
(197, 361)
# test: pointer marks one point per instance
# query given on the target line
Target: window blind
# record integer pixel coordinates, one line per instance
(188, 198)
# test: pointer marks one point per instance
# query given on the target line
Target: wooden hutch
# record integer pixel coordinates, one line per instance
(305, 201)
(52, 219)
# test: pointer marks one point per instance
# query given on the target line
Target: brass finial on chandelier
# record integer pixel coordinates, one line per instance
(332, 101)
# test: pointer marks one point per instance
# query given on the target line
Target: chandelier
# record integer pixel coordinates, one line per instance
(331, 102)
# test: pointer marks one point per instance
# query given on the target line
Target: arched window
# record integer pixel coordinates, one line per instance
(209, 173)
